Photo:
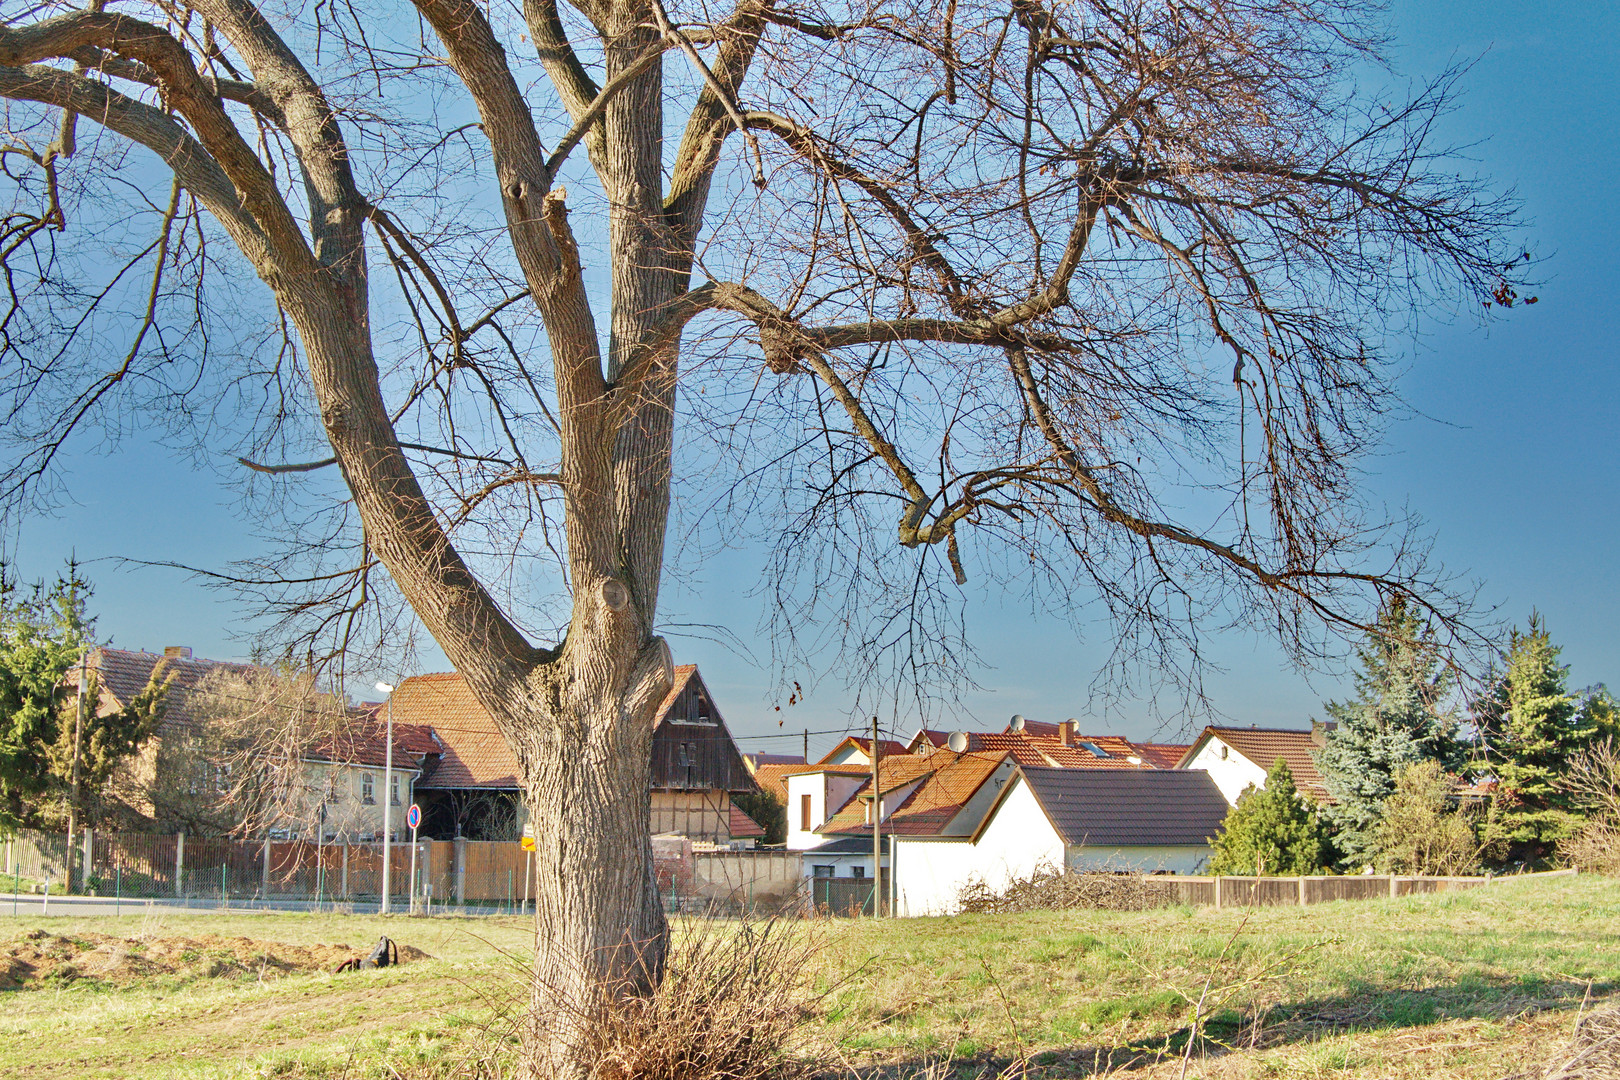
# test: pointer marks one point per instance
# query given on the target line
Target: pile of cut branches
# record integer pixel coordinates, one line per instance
(1052, 890)
(1593, 1053)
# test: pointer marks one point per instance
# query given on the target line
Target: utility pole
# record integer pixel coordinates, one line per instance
(877, 825)
(73, 795)
(388, 795)
(807, 746)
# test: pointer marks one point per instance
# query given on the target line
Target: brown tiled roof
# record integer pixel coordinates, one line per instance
(1129, 808)
(890, 747)
(366, 743)
(1264, 746)
(950, 780)
(742, 826)
(1162, 755)
(123, 674)
(475, 753)
(772, 779)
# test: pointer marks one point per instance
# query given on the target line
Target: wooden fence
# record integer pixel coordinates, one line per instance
(1239, 892)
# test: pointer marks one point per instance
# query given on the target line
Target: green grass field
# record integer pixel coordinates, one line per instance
(1474, 984)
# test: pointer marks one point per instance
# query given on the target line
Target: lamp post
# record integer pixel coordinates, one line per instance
(388, 795)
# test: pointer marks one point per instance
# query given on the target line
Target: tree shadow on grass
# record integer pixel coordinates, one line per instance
(1357, 1009)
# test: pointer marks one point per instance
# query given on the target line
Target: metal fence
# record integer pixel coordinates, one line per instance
(467, 875)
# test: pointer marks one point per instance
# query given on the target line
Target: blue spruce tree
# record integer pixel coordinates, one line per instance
(1399, 717)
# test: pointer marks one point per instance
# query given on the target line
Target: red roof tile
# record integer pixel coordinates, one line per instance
(949, 781)
(475, 753)
(1162, 755)
(743, 826)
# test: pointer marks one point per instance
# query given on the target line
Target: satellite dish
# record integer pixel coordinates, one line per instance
(1017, 722)
(957, 742)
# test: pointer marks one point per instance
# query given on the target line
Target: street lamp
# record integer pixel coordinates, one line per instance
(388, 795)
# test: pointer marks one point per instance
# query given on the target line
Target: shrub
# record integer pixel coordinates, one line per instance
(1422, 831)
(1271, 830)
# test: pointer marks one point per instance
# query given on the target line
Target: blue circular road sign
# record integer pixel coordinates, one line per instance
(413, 816)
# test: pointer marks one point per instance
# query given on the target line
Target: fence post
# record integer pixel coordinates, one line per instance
(1302, 900)
(1393, 886)
(179, 863)
(89, 856)
(264, 871)
(343, 880)
(1217, 892)
(461, 871)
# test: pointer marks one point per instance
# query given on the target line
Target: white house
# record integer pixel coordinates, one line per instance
(1141, 820)
(1236, 757)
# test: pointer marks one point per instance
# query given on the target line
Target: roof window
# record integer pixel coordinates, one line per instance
(1096, 751)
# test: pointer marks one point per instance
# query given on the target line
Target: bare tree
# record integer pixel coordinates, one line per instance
(257, 753)
(1097, 297)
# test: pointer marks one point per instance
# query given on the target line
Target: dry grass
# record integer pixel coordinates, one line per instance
(1054, 890)
(733, 1005)
(1593, 1053)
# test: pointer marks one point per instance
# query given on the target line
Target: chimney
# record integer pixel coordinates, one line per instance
(177, 652)
(1068, 731)
(1319, 732)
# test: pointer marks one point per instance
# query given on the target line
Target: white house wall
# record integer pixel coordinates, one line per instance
(1142, 860)
(929, 874)
(828, 792)
(1232, 774)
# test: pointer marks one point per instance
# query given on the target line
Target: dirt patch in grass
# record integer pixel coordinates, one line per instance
(40, 959)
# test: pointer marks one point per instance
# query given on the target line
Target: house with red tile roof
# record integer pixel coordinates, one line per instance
(695, 763)
(1236, 757)
(344, 774)
(1038, 744)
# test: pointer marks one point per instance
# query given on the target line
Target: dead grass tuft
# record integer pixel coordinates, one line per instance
(735, 998)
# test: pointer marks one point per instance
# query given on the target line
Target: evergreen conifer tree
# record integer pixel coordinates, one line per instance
(1271, 830)
(1539, 726)
(1398, 718)
(42, 634)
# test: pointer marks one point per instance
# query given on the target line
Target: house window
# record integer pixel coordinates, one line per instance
(1224, 751)
(821, 870)
(857, 871)
(1096, 751)
(393, 789)
(804, 813)
(366, 795)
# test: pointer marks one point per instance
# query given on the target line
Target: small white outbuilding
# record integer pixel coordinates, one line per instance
(1141, 820)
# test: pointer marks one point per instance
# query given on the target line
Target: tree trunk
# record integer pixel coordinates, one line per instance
(584, 744)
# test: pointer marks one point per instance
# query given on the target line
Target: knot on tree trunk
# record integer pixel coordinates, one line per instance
(786, 347)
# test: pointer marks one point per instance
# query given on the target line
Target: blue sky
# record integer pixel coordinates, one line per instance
(1508, 450)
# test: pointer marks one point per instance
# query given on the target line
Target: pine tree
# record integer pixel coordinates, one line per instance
(1541, 727)
(1398, 718)
(1271, 831)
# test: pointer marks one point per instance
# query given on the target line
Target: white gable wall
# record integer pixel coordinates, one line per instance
(929, 874)
(827, 791)
(1232, 773)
